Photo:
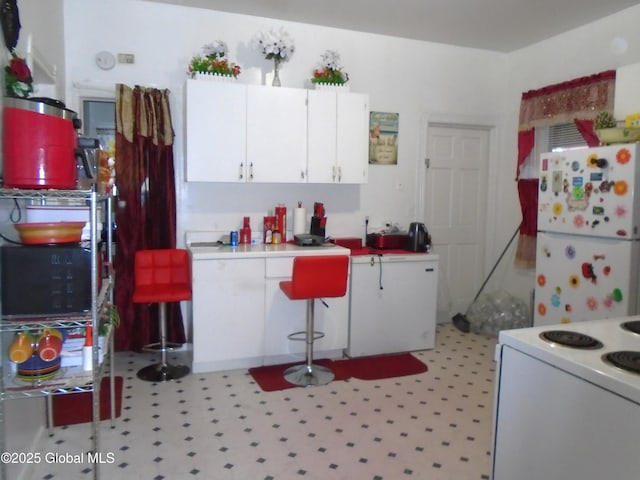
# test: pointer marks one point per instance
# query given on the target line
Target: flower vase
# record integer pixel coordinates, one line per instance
(276, 72)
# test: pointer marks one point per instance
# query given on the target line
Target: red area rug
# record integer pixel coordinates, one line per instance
(270, 378)
(72, 408)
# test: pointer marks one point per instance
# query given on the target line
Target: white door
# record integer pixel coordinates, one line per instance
(455, 209)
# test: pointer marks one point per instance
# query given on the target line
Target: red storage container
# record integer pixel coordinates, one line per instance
(39, 144)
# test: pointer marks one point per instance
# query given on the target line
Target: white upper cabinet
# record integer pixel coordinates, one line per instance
(337, 137)
(216, 134)
(353, 137)
(322, 133)
(276, 134)
(253, 133)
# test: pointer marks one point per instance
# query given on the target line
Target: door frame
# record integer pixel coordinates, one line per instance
(495, 196)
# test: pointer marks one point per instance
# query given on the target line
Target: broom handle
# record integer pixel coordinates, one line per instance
(495, 265)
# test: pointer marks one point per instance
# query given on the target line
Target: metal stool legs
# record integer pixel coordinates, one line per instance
(309, 374)
(162, 372)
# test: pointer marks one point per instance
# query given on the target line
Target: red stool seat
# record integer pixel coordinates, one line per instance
(162, 276)
(314, 277)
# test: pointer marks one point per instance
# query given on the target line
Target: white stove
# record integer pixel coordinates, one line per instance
(568, 412)
(586, 363)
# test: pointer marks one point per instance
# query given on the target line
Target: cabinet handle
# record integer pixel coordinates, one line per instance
(429, 269)
(241, 171)
(301, 174)
(339, 174)
(333, 173)
(251, 171)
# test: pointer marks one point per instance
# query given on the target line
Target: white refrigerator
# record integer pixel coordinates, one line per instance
(588, 245)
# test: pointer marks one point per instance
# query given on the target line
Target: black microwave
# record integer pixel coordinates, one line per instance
(45, 280)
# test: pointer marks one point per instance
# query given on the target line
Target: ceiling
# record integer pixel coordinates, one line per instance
(498, 25)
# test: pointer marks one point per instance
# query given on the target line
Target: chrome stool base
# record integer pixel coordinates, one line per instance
(308, 375)
(158, 347)
(163, 373)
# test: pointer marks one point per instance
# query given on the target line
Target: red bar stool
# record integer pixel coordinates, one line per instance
(161, 276)
(314, 277)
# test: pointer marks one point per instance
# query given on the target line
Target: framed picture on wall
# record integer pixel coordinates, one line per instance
(383, 138)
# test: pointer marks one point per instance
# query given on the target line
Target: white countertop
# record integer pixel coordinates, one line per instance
(200, 252)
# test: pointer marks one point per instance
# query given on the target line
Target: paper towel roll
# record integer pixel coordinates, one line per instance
(299, 220)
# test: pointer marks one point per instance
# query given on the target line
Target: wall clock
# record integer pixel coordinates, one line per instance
(105, 60)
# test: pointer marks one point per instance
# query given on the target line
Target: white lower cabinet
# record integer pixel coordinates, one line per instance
(228, 312)
(242, 319)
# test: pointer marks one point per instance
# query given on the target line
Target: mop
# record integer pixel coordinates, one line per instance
(460, 320)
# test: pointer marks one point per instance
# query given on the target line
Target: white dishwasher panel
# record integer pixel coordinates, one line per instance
(393, 303)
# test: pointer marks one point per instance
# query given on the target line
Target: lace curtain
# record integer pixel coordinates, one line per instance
(579, 101)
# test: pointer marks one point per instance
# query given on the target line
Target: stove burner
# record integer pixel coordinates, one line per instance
(624, 359)
(633, 326)
(571, 339)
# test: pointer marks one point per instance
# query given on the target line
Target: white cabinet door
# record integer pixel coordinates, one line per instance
(215, 133)
(338, 139)
(352, 137)
(276, 134)
(321, 139)
(393, 305)
(228, 313)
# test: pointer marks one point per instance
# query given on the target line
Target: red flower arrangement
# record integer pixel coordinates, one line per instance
(330, 71)
(17, 77)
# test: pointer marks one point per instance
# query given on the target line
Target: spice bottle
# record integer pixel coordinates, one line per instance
(245, 232)
(281, 222)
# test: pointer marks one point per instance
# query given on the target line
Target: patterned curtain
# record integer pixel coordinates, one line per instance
(146, 207)
(579, 101)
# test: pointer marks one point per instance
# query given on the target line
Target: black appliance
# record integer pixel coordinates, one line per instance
(418, 238)
(45, 280)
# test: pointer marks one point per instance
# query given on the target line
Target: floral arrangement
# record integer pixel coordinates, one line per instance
(278, 46)
(213, 61)
(330, 70)
(18, 81)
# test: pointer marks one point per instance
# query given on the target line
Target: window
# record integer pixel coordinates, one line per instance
(555, 138)
(564, 136)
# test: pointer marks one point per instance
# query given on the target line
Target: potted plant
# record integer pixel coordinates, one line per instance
(330, 72)
(213, 62)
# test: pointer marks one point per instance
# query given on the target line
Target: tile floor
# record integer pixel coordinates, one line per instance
(435, 425)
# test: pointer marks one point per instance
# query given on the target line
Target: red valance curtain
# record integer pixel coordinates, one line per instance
(579, 101)
(146, 211)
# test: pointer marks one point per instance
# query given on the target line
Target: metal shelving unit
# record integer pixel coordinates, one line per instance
(74, 379)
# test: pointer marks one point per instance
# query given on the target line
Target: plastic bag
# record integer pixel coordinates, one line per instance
(495, 311)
